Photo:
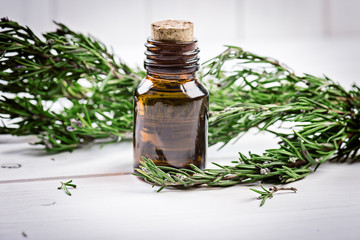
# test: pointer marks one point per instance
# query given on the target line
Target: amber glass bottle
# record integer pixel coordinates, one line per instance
(171, 107)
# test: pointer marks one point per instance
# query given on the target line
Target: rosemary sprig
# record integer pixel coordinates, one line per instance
(260, 92)
(66, 87)
(249, 170)
(267, 194)
(66, 185)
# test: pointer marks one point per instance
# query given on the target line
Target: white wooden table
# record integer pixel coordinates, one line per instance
(110, 203)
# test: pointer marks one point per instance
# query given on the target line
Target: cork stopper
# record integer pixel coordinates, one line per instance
(172, 30)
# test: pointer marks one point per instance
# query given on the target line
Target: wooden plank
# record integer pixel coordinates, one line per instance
(88, 160)
(92, 160)
(123, 207)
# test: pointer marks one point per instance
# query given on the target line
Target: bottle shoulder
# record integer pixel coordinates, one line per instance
(144, 87)
(179, 89)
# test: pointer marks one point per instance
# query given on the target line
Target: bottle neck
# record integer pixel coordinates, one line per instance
(171, 60)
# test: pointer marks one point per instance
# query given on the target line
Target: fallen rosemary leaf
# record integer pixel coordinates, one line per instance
(65, 186)
(267, 194)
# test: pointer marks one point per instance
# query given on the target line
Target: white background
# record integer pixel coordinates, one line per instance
(226, 20)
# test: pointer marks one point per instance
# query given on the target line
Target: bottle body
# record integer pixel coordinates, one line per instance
(170, 115)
